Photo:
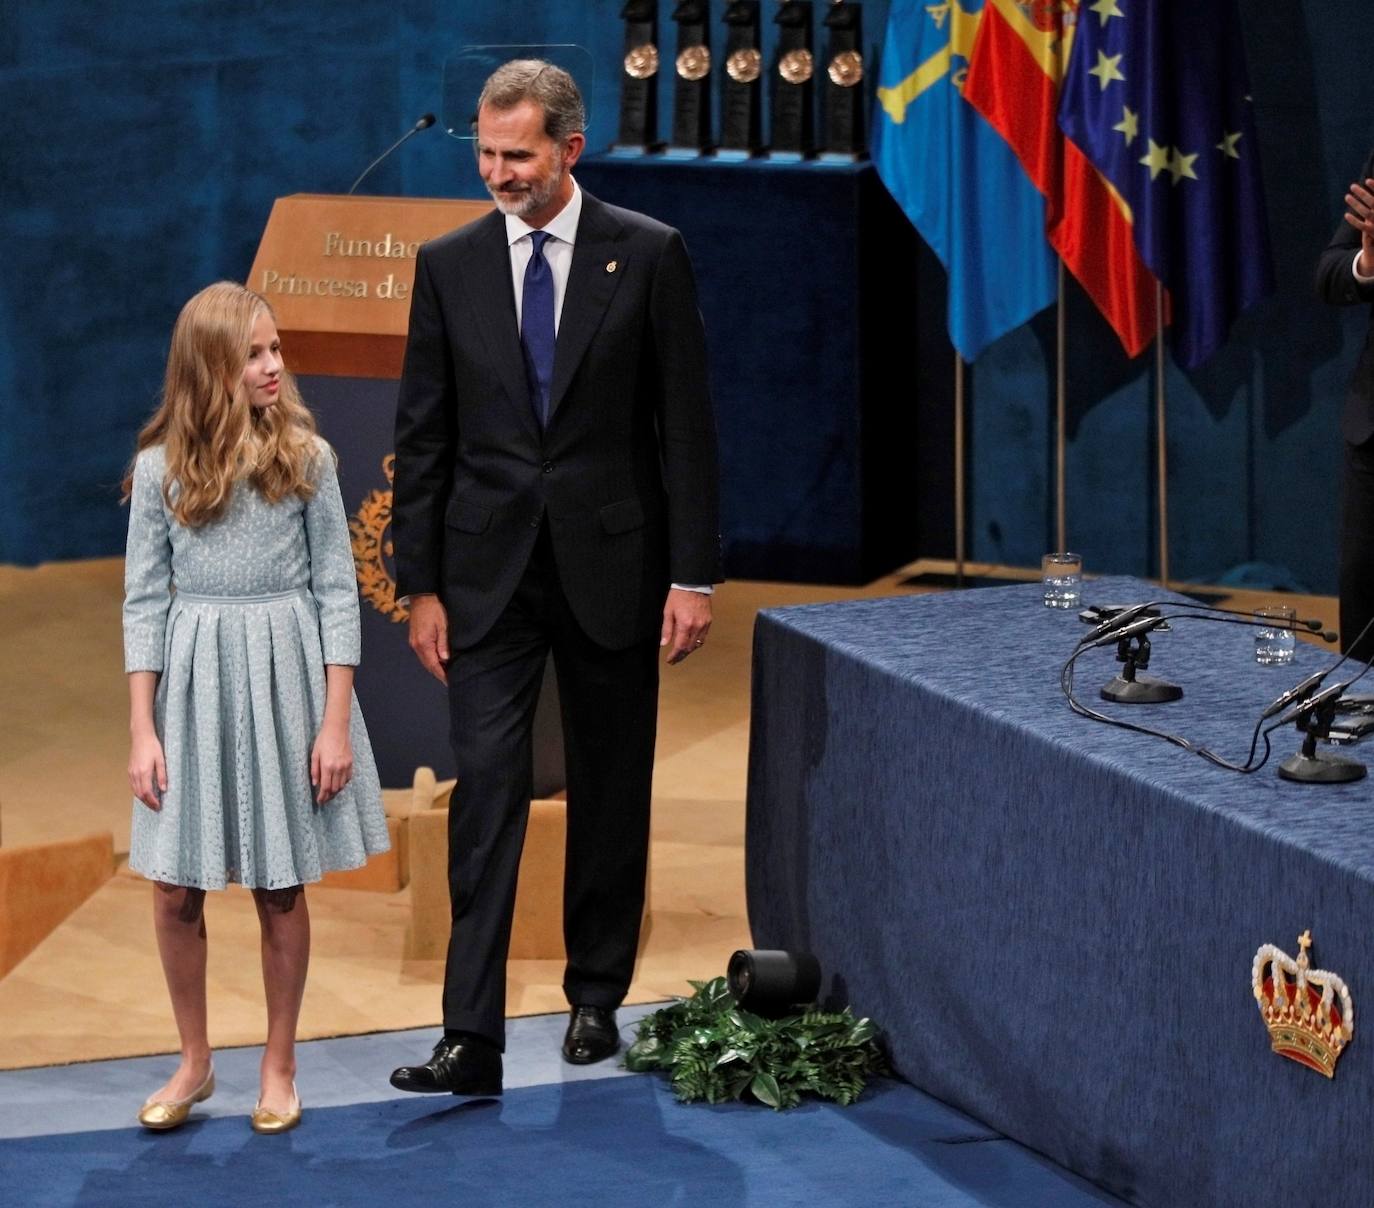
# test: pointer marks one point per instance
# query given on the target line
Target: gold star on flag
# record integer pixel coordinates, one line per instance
(1227, 146)
(1129, 125)
(1105, 10)
(1181, 165)
(1156, 159)
(1108, 69)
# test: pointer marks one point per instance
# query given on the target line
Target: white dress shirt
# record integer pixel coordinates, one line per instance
(558, 251)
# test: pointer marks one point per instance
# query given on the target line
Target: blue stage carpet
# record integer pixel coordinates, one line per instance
(606, 1141)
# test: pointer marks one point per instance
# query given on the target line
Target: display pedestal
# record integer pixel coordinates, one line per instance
(831, 385)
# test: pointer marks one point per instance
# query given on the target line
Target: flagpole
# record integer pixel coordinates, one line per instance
(1061, 511)
(1161, 439)
(958, 469)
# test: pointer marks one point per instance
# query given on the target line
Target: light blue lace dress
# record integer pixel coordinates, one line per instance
(239, 618)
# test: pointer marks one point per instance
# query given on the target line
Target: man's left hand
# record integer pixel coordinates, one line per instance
(686, 622)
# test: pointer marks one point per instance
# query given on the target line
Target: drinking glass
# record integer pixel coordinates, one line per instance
(1274, 646)
(1062, 576)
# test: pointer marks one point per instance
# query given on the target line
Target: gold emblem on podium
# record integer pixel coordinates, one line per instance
(642, 61)
(847, 68)
(694, 63)
(744, 66)
(1310, 1017)
(796, 66)
(369, 529)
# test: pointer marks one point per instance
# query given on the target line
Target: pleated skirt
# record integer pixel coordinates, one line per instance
(238, 706)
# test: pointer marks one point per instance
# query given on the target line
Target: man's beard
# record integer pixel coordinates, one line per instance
(524, 203)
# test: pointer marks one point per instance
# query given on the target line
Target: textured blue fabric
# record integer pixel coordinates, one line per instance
(1055, 920)
(536, 327)
(610, 1142)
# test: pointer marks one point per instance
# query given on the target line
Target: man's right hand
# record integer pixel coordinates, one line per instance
(1359, 213)
(429, 634)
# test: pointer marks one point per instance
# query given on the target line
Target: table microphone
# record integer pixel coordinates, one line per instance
(1122, 632)
(424, 123)
(1114, 622)
(1310, 766)
(1298, 690)
(1117, 620)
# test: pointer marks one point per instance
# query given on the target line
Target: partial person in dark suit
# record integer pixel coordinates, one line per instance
(1345, 277)
(555, 490)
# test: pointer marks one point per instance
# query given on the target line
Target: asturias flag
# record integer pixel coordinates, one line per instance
(1015, 70)
(1156, 96)
(956, 180)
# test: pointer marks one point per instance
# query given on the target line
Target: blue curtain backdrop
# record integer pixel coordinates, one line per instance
(143, 145)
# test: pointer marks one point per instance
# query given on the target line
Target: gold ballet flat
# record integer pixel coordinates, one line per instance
(163, 1114)
(264, 1121)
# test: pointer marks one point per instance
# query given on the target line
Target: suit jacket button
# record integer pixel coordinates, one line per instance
(547, 467)
(534, 522)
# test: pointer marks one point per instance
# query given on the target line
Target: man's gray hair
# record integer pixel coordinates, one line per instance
(549, 87)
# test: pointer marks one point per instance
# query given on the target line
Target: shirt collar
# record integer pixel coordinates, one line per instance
(563, 225)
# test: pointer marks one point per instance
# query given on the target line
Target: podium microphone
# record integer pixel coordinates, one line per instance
(423, 124)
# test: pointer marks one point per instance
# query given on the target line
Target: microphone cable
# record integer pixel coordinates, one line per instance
(1230, 617)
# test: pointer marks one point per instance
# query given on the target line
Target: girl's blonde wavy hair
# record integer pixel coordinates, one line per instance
(213, 436)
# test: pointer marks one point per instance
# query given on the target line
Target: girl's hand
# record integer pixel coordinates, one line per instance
(331, 761)
(147, 769)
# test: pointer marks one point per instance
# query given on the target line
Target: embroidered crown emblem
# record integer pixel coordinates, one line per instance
(368, 528)
(1306, 1022)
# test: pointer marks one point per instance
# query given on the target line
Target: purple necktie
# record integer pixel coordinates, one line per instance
(536, 327)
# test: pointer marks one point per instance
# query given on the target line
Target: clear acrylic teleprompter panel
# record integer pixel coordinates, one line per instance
(467, 70)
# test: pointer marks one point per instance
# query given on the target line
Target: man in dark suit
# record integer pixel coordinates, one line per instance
(1345, 277)
(555, 490)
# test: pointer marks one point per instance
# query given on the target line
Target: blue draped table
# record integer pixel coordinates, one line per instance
(1054, 920)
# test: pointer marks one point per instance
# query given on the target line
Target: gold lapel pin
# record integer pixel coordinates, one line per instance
(612, 266)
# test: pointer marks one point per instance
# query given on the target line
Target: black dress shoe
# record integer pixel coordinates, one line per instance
(458, 1067)
(591, 1035)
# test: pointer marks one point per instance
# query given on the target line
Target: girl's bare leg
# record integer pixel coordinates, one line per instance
(285, 924)
(179, 923)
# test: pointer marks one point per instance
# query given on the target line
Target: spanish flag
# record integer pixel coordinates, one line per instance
(1017, 63)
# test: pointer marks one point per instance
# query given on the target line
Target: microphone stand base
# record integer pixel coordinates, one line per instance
(1143, 690)
(1321, 769)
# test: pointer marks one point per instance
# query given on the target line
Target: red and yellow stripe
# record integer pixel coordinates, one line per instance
(1013, 81)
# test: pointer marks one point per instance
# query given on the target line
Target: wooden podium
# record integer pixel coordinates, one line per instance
(339, 272)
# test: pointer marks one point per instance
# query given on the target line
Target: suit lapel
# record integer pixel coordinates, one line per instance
(489, 294)
(591, 284)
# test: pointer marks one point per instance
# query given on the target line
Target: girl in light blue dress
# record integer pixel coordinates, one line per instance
(249, 760)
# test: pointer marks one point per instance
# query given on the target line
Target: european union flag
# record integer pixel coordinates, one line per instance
(956, 179)
(1157, 98)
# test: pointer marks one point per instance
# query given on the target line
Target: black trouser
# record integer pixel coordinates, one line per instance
(1357, 548)
(610, 712)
